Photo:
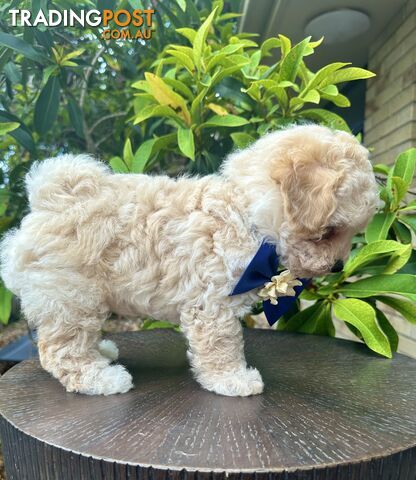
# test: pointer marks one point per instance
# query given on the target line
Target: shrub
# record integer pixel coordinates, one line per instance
(217, 93)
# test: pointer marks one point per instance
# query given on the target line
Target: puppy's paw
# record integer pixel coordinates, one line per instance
(109, 349)
(241, 383)
(103, 381)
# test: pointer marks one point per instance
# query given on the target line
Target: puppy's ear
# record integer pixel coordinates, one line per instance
(308, 191)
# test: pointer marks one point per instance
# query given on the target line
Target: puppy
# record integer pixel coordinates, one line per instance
(95, 242)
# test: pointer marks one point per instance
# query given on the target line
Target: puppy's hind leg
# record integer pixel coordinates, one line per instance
(216, 352)
(69, 330)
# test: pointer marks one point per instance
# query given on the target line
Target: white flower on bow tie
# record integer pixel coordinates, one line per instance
(280, 286)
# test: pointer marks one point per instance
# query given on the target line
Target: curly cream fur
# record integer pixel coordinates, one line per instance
(96, 242)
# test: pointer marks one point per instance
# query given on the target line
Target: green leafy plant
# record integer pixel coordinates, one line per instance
(217, 93)
(380, 271)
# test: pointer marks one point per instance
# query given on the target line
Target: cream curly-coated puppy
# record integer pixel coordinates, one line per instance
(95, 242)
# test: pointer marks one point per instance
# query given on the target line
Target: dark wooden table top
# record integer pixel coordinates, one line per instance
(326, 402)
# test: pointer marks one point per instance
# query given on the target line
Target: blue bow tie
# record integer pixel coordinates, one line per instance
(260, 270)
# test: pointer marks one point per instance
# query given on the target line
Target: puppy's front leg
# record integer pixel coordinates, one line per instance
(216, 352)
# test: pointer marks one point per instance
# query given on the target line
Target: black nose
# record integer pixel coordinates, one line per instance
(338, 266)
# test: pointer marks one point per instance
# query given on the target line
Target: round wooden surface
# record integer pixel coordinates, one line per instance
(328, 404)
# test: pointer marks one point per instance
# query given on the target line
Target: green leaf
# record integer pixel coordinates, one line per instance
(316, 43)
(180, 86)
(268, 45)
(74, 54)
(118, 165)
(405, 165)
(404, 307)
(155, 111)
(7, 127)
(399, 189)
(188, 33)
(290, 64)
(21, 134)
(142, 85)
(402, 232)
(254, 90)
(285, 45)
(217, 59)
(20, 46)
(331, 90)
(386, 195)
(4, 197)
(410, 206)
(308, 294)
(398, 260)
(312, 97)
(222, 73)
(381, 168)
(347, 75)
(242, 139)
(319, 79)
(296, 321)
(183, 49)
(320, 323)
(225, 121)
(326, 117)
(142, 155)
(166, 96)
(339, 100)
(379, 226)
(388, 330)
(409, 220)
(197, 103)
(186, 142)
(128, 154)
(228, 16)
(400, 284)
(200, 38)
(150, 148)
(75, 115)
(156, 324)
(6, 297)
(184, 60)
(218, 109)
(47, 104)
(12, 72)
(363, 317)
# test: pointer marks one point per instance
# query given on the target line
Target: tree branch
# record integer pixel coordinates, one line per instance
(91, 147)
(103, 119)
(88, 73)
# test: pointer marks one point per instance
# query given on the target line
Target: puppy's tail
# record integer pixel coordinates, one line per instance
(57, 183)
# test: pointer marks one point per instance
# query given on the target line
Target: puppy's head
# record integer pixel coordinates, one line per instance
(329, 194)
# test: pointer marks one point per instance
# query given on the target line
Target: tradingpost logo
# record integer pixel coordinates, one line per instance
(117, 24)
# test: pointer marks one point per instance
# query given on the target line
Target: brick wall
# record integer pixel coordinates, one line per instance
(390, 114)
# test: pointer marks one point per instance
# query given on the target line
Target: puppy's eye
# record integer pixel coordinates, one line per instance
(328, 232)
